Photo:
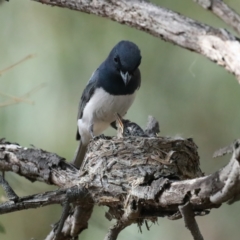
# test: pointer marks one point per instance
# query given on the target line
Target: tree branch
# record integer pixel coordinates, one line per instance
(37, 165)
(223, 11)
(76, 221)
(131, 215)
(190, 221)
(151, 178)
(217, 45)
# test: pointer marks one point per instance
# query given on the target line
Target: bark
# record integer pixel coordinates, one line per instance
(223, 11)
(218, 45)
(190, 221)
(137, 178)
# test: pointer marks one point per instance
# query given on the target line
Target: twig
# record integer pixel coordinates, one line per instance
(17, 63)
(73, 221)
(16, 99)
(114, 231)
(131, 215)
(33, 201)
(230, 177)
(23, 98)
(45, 199)
(190, 221)
(223, 151)
(65, 213)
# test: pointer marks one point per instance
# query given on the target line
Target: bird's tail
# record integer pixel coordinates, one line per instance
(79, 155)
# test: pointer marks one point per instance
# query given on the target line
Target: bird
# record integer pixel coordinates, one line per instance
(111, 89)
(126, 128)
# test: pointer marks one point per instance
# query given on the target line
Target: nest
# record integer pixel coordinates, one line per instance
(119, 164)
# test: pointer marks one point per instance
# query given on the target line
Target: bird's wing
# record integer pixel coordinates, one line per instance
(87, 94)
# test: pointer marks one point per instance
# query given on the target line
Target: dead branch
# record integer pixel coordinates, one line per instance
(17, 63)
(24, 98)
(190, 221)
(218, 45)
(137, 178)
(223, 11)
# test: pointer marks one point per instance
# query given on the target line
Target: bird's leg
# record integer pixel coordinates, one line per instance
(92, 134)
(120, 126)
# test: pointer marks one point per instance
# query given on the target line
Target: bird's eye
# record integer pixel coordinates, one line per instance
(116, 59)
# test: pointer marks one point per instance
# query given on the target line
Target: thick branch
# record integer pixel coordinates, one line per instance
(107, 181)
(223, 11)
(145, 178)
(217, 45)
(37, 165)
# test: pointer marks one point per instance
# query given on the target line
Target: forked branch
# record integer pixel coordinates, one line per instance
(134, 188)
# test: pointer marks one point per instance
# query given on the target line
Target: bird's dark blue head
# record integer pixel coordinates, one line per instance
(125, 58)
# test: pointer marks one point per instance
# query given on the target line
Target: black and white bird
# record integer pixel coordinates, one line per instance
(111, 89)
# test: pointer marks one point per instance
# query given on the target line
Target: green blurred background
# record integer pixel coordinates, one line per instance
(188, 94)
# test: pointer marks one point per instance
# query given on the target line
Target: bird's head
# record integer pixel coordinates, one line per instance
(125, 57)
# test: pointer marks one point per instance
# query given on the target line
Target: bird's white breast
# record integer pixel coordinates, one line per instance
(101, 111)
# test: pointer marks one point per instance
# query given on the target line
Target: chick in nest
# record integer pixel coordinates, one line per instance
(126, 128)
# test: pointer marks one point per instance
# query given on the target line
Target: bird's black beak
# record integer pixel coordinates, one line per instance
(126, 77)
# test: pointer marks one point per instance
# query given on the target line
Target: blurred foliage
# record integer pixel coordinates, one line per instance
(2, 229)
(189, 95)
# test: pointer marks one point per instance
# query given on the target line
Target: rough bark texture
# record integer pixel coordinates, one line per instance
(137, 178)
(217, 45)
(223, 11)
(190, 221)
(37, 165)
